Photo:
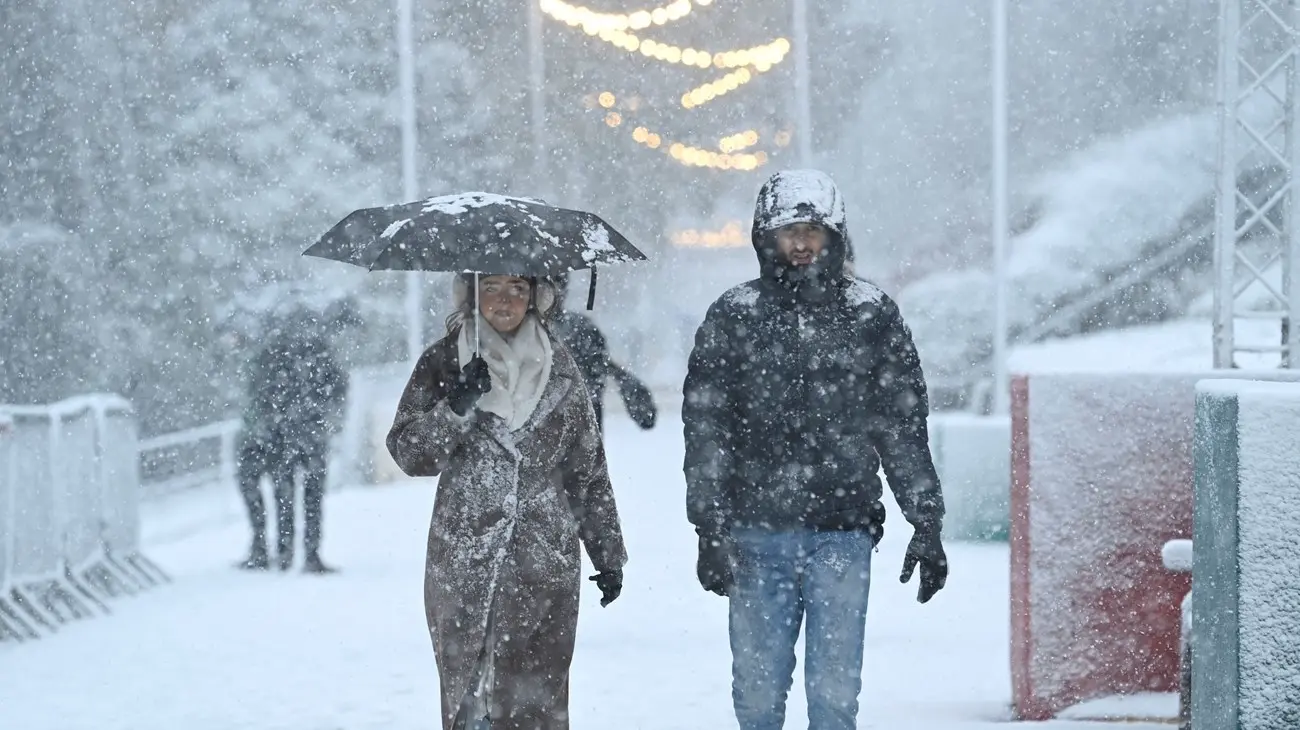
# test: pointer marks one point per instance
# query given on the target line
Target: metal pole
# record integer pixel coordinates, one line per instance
(802, 94)
(1001, 378)
(1291, 245)
(1225, 207)
(410, 183)
(537, 97)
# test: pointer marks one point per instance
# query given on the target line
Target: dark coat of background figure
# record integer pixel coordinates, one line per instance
(503, 551)
(296, 392)
(590, 350)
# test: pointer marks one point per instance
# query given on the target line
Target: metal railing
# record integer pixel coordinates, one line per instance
(188, 459)
(69, 513)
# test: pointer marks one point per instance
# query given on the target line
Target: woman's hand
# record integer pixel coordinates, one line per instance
(610, 584)
(474, 380)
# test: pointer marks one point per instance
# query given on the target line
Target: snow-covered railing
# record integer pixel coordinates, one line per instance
(69, 512)
(188, 459)
(207, 455)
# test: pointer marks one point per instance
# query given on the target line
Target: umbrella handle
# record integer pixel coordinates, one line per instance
(591, 290)
(478, 319)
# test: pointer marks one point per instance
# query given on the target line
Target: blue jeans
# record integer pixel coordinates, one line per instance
(779, 578)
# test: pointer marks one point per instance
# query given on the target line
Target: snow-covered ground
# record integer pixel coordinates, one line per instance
(1180, 345)
(222, 649)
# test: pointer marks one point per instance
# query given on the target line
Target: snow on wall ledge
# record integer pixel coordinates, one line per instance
(1246, 627)
(1101, 480)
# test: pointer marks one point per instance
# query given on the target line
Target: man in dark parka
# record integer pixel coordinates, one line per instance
(296, 393)
(801, 385)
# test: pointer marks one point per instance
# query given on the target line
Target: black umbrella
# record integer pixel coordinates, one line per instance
(483, 233)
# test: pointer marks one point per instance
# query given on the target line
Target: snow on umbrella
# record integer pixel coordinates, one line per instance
(483, 233)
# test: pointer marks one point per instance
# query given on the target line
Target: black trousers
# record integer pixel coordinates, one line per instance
(281, 460)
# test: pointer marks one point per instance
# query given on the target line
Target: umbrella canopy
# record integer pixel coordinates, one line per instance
(475, 232)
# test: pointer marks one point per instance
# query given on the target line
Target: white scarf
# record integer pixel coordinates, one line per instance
(520, 365)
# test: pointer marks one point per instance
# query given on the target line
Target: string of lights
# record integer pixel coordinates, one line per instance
(731, 235)
(575, 15)
(697, 157)
(613, 29)
(693, 156)
(712, 90)
(738, 141)
(728, 156)
(761, 57)
(744, 64)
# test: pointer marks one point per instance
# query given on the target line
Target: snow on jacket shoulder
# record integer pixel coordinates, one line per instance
(792, 407)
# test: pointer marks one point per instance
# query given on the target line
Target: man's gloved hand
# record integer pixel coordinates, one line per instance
(926, 550)
(610, 584)
(714, 565)
(474, 380)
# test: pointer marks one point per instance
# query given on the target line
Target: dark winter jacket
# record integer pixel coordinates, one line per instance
(296, 390)
(591, 352)
(802, 383)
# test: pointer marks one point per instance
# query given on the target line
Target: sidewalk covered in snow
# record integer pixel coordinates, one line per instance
(222, 649)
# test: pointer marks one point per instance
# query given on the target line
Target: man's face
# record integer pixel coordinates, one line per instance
(503, 301)
(801, 243)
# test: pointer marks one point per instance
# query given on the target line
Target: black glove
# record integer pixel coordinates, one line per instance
(714, 565)
(473, 381)
(637, 398)
(926, 550)
(610, 584)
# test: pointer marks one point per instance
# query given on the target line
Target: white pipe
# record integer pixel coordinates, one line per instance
(1001, 378)
(1291, 241)
(802, 81)
(410, 181)
(1225, 207)
(537, 98)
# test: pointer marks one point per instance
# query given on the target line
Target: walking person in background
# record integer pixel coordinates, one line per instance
(296, 391)
(802, 383)
(502, 417)
(590, 350)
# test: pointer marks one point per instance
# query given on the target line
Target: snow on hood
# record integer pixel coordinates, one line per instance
(801, 196)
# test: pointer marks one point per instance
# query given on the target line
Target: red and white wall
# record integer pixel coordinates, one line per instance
(1101, 480)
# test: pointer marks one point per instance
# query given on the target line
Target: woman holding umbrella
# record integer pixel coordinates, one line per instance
(511, 432)
(500, 414)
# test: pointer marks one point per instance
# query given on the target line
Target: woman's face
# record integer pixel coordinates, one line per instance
(503, 301)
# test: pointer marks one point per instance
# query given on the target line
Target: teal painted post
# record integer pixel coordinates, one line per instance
(1246, 555)
(1214, 560)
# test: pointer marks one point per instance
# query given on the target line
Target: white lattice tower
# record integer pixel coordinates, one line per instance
(1257, 234)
